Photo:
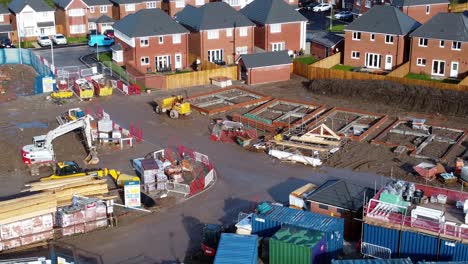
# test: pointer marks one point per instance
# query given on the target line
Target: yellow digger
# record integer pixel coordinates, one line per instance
(175, 105)
(70, 169)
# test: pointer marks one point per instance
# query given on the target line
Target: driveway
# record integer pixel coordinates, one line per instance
(318, 21)
(68, 56)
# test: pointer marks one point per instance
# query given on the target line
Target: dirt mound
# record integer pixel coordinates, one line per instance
(410, 98)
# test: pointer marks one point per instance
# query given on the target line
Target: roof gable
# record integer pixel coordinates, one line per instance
(215, 15)
(64, 4)
(447, 26)
(384, 19)
(16, 6)
(265, 59)
(271, 12)
(155, 21)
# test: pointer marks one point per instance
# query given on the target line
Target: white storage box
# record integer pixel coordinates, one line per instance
(105, 125)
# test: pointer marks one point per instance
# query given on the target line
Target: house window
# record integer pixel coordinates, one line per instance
(103, 9)
(180, 3)
(373, 60)
(456, 45)
(161, 39)
(372, 37)
(144, 60)
(199, 2)
(277, 46)
(428, 9)
(275, 28)
(368, 3)
(355, 54)
(438, 67)
(76, 29)
(356, 35)
(129, 7)
(163, 62)
(442, 44)
(423, 42)
(358, 2)
(232, 2)
(389, 39)
(144, 42)
(28, 31)
(242, 50)
(91, 9)
(229, 32)
(91, 25)
(243, 32)
(76, 12)
(322, 206)
(151, 4)
(215, 55)
(176, 39)
(213, 34)
(421, 62)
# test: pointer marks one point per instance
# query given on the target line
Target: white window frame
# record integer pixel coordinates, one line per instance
(129, 7)
(165, 59)
(144, 42)
(372, 37)
(91, 9)
(91, 25)
(180, 3)
(243, 32)
(368, 4)
(213, 34)
(275, 28)
(103, 9)
(242, 50)
(199, 2)
(77, 29)
(216, 54)
(75, 12)
(376, 59)
(2, 18)
(441, 43)
(456, 45)
(229, 32)
(388, 39)
(356, 35)
(421, 62)
(147, 60)
(151, 4)
(422, 42)
(428, 9)
(233, 2)
(161, 40)
(278, 46)
(176, 38)
(438, 62)
(355, 55)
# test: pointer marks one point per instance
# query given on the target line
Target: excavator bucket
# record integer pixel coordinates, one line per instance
(92, 158)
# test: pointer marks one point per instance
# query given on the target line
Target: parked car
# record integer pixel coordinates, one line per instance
(322, 7)
(307, 4)
(6, 43)
(92, 32)
(59, 39)
(344, 15)
(44, 41)
(100, 40)
(109, 33)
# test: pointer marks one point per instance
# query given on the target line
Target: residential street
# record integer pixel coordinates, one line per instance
(68, 56)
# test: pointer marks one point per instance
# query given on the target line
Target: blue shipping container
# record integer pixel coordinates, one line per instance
(384, 237)
(237, 249)
(373, 261)
(268, 223)
(418, 246)
(453, 251)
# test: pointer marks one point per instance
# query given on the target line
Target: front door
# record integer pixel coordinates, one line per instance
(454, 69)
(178, 61)
(388, 62)
(438, 68)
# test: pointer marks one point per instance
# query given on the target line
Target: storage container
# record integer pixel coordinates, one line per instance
(373, 261)
(383, 237)
(453, 251)
(267, 223)
(418, 246)
(237, 249)
(295, 245)
(105, 125)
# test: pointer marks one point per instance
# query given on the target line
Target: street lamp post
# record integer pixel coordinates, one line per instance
(331, 17)
(97, 46)
(52, 53)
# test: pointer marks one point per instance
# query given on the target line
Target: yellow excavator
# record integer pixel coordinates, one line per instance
(70, 169)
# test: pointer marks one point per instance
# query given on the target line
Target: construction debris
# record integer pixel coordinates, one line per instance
(292, 157)
(321, 135)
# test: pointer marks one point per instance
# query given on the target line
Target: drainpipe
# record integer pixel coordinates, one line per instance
(267, 41)
(398, 51)
(410, 54)
(187, 50)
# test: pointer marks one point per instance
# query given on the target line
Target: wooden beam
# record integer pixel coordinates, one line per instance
(299, 146)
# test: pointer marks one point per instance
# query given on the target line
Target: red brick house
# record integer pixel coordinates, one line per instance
(278, 25)
(6, 29)
(324, 44)
(172, 7)
(71, 17)
(218, 33)
(360, 7)
(378, 40)
(159, 45)
(440, 47)
(122, 8)
(264, 67)
(99, 9)
(422, 10)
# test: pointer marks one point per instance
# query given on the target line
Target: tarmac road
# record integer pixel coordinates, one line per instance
(68, 56)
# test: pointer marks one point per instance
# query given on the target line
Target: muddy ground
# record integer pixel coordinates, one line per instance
(16, 80)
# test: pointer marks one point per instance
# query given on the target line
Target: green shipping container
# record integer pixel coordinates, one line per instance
(292, 245)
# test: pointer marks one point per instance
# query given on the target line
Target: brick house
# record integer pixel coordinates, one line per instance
(99, 9)
(31, 18)
(422, 10)
(378, 40)
(278, 25)
(340, 199)
(6, 29)
(360, 7)
(218, 33)
(122, 8)
(239, 4)
(172, 7)
(324, 44)
(440, 52)
(71, 17)
(159, 45)
(264, 67)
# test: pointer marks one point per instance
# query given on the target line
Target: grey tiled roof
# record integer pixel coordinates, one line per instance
(418, 2)
(384, 19)
(447, 26)
(264, 59)
(326, 39)
(121, 2)
(104, 19)
(215, 15)
(16, 6)
(148, 22)
(6, 28)
(97, 2)
(271, 11)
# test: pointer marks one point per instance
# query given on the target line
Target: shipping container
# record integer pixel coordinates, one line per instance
(295, 245)
(267, 223)
(453, 251)
(237, 249)
(383, 237)
(418, 246)
(373, 261)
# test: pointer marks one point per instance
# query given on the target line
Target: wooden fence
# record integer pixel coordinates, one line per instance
(458, 8)
(400, 72)
(328, 62)
(199, 77)
(322, 73)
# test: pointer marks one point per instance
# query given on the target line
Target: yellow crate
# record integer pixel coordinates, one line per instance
(105, 91)
(88, 93)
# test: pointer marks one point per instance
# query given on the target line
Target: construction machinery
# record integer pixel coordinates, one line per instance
(71, 115)
(42, 152)
(175, 105)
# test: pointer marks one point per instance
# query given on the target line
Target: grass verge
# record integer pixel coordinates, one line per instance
(342, 67)
(425, 77)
